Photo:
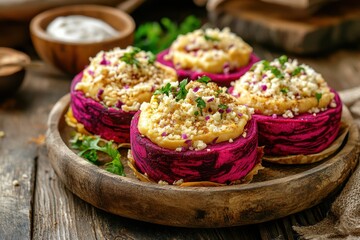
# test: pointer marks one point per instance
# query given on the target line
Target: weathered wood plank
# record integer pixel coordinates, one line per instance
(22, 118)
(290, 29)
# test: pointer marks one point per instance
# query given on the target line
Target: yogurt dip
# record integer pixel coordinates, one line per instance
(78, 28)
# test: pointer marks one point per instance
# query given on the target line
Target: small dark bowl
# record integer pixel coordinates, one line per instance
(12, 70)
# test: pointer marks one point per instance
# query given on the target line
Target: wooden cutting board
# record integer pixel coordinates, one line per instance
(277, 191)
(295, 30)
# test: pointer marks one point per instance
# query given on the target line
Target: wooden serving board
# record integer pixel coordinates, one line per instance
(291, 29)
(277, 191)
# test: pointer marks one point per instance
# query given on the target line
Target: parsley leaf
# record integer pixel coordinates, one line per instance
(89, 146)
(157, 36)
(151, 57)
(318, 96)
(222, 106)
(181, 94)
(297, 71)
(129, 57)
(218, 92)
(204, 79)
(210, 38)
(283, 59)
(164, 90)
(277, 73)
(284, 90)
(201, 104)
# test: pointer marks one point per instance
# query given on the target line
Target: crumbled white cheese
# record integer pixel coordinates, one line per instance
(121, 83)
(209, 50)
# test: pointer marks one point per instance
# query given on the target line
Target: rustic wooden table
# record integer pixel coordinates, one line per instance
(34, 203)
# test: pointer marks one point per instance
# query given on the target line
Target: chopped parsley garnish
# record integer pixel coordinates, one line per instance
(181, 94)
(151, 57)
(89, 148)
(157, 36)
(204, 79)
(210, 38)
(222, 106)
(283, 59)
(297, 71)
(129, 57)
(277, 73)
(318, 96)
(201, 104)
(218, 92)
(196, 113)
(222, 109)
(164, 90)
(284, 90)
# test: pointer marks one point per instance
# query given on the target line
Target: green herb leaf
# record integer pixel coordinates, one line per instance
(318, 96)
(196, 113)
(283, 59)
(201, 104)
(163, 90)
(155, 36)
(276, 72)
(181, 94)
(129, 57)
(222, 106)
(204, 79)
(218, 92)
(297, 71)
(152, 57)
(210, 38)
(284, 90)
(89, 146)
(266, 64)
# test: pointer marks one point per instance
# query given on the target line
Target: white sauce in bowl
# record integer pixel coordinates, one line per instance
(78, 28)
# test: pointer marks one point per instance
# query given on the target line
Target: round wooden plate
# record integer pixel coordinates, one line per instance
(277, 191)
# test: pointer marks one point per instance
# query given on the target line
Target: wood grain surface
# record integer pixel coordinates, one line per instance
(290, 29)
(41, 207)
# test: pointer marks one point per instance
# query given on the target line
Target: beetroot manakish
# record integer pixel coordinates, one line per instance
(295, 109)
(107, 94)
(219, 54)
(194, 132)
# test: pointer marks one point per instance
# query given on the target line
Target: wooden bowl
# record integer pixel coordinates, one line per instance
(275, 192)
(72, 57)
(12, 70)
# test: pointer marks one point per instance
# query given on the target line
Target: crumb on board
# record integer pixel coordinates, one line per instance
(16, 183)
(39, 140)
(2, 134)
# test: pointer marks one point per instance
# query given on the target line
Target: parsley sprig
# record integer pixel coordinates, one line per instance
(204, 79)
(89, 147)
(297, 71)
(157, 36)
(167, 89)
(211, 38)
(129, 57)
(274, 70)
(164, 90)
(181, 94)
(283, 59)
(318, 96)
(201, 104)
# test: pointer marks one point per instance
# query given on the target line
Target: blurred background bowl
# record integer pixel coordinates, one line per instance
(72, 57)
(12, 70)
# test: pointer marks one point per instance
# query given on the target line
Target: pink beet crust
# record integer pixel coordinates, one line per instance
(222, 79)
(303, 134)
(109, 123)
(224, 163)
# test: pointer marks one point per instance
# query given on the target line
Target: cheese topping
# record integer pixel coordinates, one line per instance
(192, 115)
(124, 78)
(209, 50)
(283, 87)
